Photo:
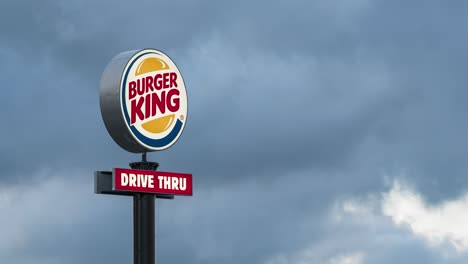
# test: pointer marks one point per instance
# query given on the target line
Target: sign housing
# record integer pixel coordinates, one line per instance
(143, 100)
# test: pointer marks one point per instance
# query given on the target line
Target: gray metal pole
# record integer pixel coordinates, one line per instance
(144, 224)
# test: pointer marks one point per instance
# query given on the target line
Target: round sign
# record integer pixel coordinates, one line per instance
(143, 100)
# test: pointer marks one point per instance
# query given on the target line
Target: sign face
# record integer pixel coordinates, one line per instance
(143, 100)
(156, 182)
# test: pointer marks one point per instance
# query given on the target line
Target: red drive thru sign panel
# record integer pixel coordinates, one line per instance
(157, 182)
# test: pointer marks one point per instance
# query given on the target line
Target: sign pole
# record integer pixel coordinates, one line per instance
(144, 225)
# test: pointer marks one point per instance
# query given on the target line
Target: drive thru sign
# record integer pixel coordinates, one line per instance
(156, 182)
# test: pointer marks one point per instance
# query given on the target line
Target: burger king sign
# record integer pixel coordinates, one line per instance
(143, 100)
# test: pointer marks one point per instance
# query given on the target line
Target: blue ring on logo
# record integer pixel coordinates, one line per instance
(155, 143)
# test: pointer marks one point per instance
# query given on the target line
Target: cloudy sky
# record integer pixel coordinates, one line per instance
(329, 132)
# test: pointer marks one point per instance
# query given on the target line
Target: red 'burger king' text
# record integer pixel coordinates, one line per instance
(151, 95)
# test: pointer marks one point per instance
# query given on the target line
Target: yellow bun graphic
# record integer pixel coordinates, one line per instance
(159, 125)
(163, 123)
(151, 65)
